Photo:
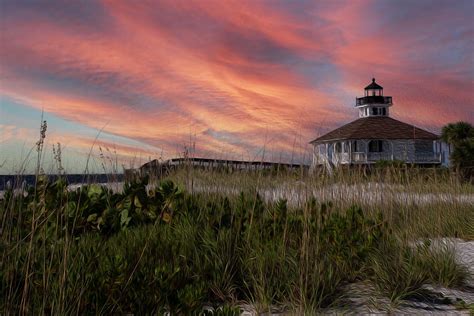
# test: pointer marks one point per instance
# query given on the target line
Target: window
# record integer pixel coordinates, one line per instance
(378, 111)
(355, 146)
(376, 146)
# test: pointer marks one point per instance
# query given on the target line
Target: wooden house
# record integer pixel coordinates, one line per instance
(376, 136)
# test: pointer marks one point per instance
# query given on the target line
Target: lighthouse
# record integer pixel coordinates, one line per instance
(373, 103)
(376, 136)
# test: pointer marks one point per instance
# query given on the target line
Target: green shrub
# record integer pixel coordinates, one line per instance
(442, 268)
(165, 250)
(399, 270)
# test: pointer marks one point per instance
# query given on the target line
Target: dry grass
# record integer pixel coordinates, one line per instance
(58, 257)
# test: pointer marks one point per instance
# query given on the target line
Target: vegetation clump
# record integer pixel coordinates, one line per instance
(460, 135)
(156, 248)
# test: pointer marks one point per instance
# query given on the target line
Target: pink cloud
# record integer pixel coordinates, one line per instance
(251, 71)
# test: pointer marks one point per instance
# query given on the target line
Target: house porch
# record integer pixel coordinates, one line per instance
(368, 151)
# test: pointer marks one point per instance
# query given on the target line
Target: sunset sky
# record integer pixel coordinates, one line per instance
(227, 79)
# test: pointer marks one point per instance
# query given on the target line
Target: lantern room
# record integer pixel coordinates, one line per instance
(373, 89)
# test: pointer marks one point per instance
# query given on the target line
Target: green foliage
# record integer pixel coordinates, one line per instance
(153, 249)
(400, 271)
(382, 164)
(397, 271)
(461, 136)
(442, 268)
(463, 158)
(225, 310)
(455, 133)
(351, 237)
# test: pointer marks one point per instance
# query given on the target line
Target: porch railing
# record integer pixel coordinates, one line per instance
(362, 157)
(359, 157)
(379, 156)
(427, 158)
(340, 158)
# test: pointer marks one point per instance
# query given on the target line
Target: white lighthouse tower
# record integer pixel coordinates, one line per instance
(373, 103)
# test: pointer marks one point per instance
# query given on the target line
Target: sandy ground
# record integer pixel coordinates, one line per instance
(297, 193)
(115, 186)
(372, 193)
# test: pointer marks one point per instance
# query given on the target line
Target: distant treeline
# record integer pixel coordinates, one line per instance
(17, 180)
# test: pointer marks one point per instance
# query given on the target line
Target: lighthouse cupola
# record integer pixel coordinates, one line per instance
(373, 103)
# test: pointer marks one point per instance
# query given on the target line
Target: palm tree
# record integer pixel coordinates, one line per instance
(461, 136)
(455, 133)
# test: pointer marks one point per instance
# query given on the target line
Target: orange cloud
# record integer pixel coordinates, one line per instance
(237, 76)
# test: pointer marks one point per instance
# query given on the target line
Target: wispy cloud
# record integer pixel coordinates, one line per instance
(235, 75)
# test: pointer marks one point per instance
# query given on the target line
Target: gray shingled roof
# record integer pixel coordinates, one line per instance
(376, 127)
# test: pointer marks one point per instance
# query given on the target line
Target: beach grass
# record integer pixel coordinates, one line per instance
(196, 239)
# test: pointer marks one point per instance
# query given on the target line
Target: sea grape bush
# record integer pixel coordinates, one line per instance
(94, 207)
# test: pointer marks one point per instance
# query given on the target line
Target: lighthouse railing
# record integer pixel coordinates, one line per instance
(375, 99)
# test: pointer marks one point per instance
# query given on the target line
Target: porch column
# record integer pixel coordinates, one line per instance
(350, 151)
(327, 153)
(316, 153)
(391, 143)
(333, 153)
(366, 151)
